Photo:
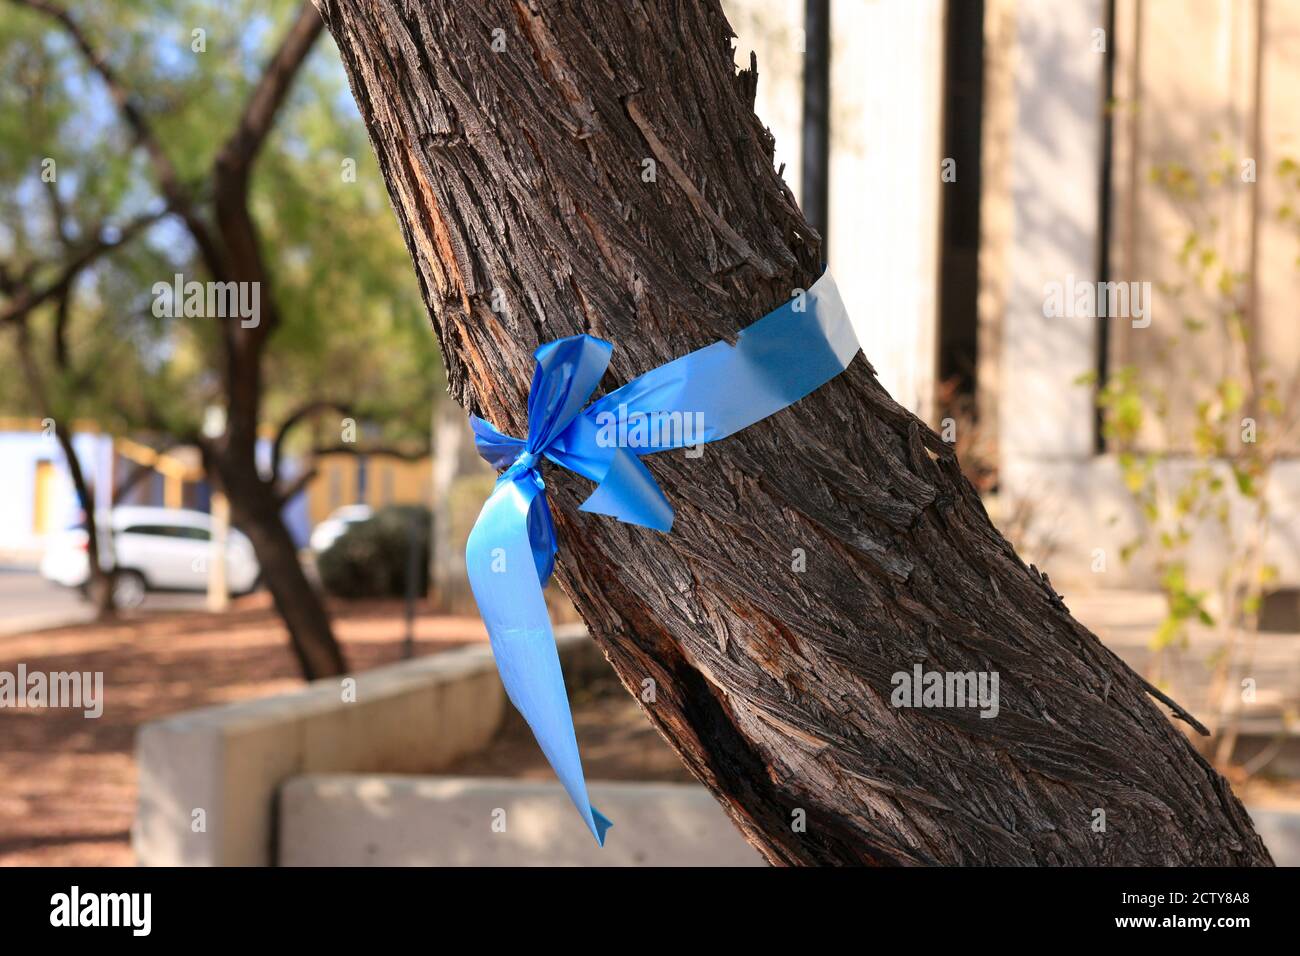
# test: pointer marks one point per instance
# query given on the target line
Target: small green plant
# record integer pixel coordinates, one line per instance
(1210, 475)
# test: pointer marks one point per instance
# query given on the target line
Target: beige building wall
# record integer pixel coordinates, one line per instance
(1203, 111)
(886, 86)
(1207, 92)
(1185, 97)
(996, 210)
(1196, 82)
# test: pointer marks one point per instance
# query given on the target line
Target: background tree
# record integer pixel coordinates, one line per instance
(599, 168)
(260, 180)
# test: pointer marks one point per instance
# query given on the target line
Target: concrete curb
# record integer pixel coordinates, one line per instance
(208, 778)
(369, 820)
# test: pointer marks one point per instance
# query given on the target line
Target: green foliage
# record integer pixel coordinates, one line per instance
(1184, 605)
(353, 328)
(1233, 438)
(370, 559)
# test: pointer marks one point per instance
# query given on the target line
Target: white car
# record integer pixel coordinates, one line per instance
(152, 549)
(332, 528)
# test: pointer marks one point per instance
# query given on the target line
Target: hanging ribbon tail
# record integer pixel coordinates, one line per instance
(504, 577)
(603, 823)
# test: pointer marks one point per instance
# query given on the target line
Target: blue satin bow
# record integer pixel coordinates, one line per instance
(776, 361)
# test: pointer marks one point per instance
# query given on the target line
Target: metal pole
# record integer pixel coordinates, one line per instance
(815, 191)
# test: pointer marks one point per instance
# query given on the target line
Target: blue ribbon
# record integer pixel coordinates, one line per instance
(702, 397)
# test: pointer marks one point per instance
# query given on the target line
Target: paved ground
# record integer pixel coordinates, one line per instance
(67, 783)
(29, 602)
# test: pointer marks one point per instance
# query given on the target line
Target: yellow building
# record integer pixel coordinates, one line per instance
(375, 480)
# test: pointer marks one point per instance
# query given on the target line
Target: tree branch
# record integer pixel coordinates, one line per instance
(239, 234)
(296, 487)
(295, 418)
(137, 474)
(60, 336)
(27, 298)
(381, 451)
(169, 181)
(59, 213)
(236, 156)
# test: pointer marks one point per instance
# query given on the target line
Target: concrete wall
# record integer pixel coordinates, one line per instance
(366, 820)
(208, 778)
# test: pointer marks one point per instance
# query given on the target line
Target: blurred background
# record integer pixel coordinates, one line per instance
(1067, 232)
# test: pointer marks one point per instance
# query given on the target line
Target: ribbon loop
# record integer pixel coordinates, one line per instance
(568, 371)
(702, 397)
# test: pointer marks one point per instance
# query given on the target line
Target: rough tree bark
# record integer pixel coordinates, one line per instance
(516, 170)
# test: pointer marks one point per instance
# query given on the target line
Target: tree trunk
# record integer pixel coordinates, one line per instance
(229, 247)
(235, 255)
(255, 505)
(514, 136)
(255, 510)
(100, 584)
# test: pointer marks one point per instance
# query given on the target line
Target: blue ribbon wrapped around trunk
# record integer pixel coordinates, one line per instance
(721, 388)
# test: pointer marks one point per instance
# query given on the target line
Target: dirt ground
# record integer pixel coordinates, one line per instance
(617, 741)
(67, 783)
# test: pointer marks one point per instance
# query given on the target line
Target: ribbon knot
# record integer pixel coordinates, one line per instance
(526, 465)
(527, 460)
(720, 389)
(515, 530)
(567, 373)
